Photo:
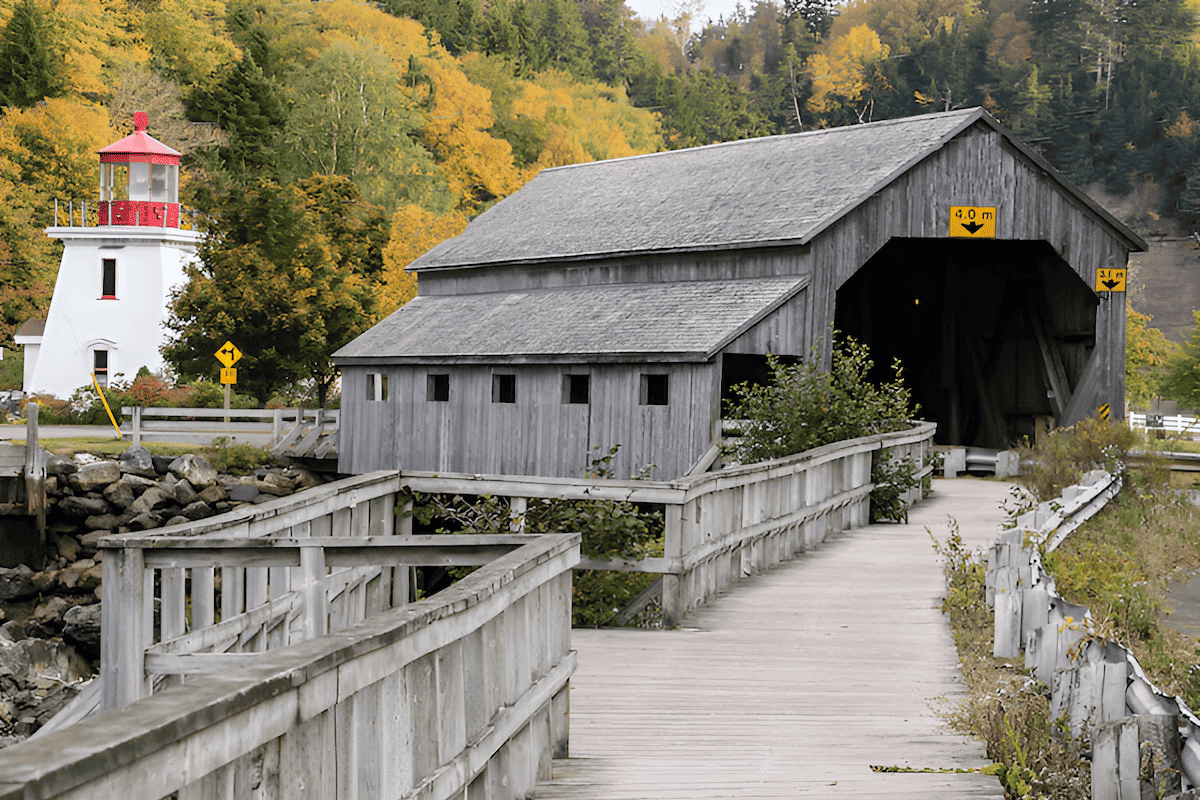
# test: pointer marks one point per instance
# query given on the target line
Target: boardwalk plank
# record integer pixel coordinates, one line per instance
(791, 684)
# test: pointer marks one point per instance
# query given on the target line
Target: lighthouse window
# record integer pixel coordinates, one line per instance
(139, 181)
(100, 366)
(108, 279)
(158, 183)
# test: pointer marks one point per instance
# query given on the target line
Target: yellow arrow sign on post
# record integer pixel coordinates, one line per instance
(228, 354)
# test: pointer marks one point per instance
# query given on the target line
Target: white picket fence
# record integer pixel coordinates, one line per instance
(1176, 423)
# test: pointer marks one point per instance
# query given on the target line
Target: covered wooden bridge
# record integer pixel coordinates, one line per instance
(617, 302)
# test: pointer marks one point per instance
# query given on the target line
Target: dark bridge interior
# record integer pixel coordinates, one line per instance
(994, 336)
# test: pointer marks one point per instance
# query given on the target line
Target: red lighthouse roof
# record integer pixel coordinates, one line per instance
(139, 146)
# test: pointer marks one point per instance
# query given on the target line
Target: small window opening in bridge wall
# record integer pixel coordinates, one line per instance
(437, 388)
(504, 388)
(108, 279)
(653, 390)
(377, 386)
(100, 366)
(577, 389)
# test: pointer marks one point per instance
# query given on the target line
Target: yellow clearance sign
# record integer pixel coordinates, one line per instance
(973, 222)
(1110, 280)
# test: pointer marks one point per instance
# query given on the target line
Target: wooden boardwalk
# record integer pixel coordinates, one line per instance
(793, 683)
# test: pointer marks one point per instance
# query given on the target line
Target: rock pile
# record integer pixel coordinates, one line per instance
(50, 636)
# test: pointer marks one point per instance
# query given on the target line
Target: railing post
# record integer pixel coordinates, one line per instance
(276, 427)
(673, 601)
(401, 582)
(137, 425)
(123, 627)
(516, 514)
(312, 569)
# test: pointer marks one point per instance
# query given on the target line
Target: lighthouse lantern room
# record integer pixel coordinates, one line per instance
(139, 180)
(111, 298)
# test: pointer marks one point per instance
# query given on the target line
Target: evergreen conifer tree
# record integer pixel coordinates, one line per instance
(30, 66)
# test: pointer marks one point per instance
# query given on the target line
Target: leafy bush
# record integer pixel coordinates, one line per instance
(1060, 458)
(893, 478)
(805, 407)
(12, 369)
(610, 528)
(239, 458)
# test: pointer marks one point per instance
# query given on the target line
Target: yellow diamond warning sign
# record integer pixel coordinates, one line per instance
(1110, 280)
(228, 354)
(228, 375)
(973, 222)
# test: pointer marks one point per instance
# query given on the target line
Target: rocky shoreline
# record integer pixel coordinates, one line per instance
(50, 617)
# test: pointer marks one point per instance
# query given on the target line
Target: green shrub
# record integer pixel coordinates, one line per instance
(239, 458)
(610, 529)
(1059, 459)
(805, 407)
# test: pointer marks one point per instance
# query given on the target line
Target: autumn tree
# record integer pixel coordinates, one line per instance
(1147, 352)
(271, 281)
(1181, 378)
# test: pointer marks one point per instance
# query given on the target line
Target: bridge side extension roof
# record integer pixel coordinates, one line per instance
(677, 321)
(775, 190)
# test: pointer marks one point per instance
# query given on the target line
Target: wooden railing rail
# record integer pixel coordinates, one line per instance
(720, 525)
(269, 596)
(462, 694)
(278, 422)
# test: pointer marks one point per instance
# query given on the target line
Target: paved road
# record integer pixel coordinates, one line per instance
(791, 684)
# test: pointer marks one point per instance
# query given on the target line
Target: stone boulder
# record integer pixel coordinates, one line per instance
(68, 547)
(50, 612)
(42, 663)
(16, 582)
(150, 500)
(81, 627)
(138, 461)
(125, 491)
(197, 511)
(78, 507)
(195, 470)
(101, 522)
(61, 465)
(242, 492)
(162, 464)
(214, 494)
(94, 477)
(183, 493)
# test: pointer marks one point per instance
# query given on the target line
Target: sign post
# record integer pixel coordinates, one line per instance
(228, 355)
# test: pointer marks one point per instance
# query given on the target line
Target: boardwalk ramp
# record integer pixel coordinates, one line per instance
(792, 684)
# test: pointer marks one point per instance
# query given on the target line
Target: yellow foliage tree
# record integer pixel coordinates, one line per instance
(189, 38)
(1147, 353)
(839, 75)
(414, 231)
(55, 143)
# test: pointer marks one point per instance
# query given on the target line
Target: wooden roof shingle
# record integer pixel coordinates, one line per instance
(675, 321)
(774, 190)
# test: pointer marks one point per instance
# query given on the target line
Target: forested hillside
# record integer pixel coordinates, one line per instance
(328, 144)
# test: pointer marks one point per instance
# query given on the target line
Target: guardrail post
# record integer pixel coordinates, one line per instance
(123, 627)
(35, 475)
(276, 426)
(137, 425)
(673, 601)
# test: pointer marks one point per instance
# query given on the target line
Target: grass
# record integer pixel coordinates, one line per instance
(233, 458)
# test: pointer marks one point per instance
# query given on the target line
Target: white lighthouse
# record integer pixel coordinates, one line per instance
(114, 284)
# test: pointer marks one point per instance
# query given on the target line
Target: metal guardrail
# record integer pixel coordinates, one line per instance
(1095, 683)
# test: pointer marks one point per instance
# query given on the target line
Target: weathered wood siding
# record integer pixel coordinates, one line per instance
(784, 332)
(979, 168)
(539, 434)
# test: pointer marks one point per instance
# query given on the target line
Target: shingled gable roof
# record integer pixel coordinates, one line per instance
(673, 321)
(776, 190)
